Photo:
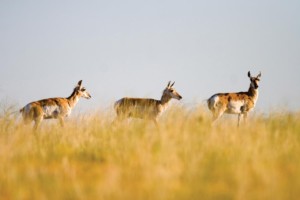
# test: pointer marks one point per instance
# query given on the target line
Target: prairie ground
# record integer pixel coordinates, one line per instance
(186, 158)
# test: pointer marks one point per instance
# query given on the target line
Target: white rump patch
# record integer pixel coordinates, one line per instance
(118, 102)
(213, 100)
(27, 109)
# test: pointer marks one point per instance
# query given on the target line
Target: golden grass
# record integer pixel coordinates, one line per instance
(186, 159)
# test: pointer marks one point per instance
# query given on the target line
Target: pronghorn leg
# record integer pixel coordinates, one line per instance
(61, 121)
(155, 123)
(26, 120)
(239, 118)
(37, 123)
(36, 112)
(245, 117)
(118, 119)
(27, 116)
(216, 115)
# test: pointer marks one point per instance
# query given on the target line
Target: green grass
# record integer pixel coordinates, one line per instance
(186, 159)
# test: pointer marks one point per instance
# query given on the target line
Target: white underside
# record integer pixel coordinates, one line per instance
(234, 107)
(51, 111)
(55, 111)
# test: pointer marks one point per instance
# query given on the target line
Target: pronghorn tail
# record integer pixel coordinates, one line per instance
(211, 102)
(117, 104)
(21, 110)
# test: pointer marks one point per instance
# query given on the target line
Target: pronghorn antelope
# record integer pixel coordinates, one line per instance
(235, 103)
(145, 108)
(56, 108)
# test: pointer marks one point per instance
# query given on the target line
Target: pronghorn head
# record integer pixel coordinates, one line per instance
(254, 80)
(81, 91)
(171, 92)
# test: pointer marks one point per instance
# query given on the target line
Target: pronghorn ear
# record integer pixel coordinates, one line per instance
(259, 75)
(249, 75)
(169, 84)
(172, 84)
(79, 83)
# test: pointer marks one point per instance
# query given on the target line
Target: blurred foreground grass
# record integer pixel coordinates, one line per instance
(186, 159)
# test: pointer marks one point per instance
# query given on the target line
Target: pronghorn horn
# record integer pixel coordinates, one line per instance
(249, 75)
(169, 84)
(79, 83)
(259, 75)
(172, 84)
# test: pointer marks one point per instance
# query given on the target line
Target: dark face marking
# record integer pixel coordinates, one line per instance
(254, 82)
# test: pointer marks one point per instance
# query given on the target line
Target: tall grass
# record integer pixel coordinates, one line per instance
(186, 158)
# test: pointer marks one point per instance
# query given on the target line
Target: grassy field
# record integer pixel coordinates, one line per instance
(186, 158)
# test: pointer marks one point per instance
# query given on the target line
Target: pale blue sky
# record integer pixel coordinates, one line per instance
(133, 48)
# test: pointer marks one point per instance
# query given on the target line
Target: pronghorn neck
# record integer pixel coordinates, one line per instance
(253, 94)
(73, 99)
(252, 91)
(165, 99)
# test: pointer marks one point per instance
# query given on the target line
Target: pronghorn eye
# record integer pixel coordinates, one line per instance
(171, 90)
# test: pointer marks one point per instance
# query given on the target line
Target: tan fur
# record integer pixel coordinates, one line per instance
(145, 108)
(53, 108)
(235, 103)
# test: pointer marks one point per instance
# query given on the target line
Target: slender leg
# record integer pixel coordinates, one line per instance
(239, 118)
(245, 117)
(216, 115)
(61, 121)
(156, 124)
(26, 120)
(37, 122)
(37, 115)
(117, 119)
